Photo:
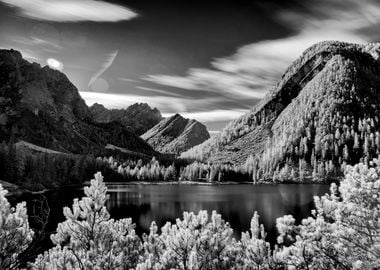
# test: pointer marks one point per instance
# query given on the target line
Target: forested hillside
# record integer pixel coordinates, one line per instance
(322, 115)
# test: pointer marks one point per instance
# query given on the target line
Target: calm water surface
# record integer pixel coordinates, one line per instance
(162, 203)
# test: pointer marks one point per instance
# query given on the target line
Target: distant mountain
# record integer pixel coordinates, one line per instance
(42, 107)
(176, 134)
(322, 115)
(139, 117)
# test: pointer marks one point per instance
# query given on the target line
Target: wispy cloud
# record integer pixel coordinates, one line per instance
(166, 104)
(108, 62)
(71, 10)
(211, 116)
(158, 91)
(256, 67)
(44, 42)
(128, 80)
(118, 101)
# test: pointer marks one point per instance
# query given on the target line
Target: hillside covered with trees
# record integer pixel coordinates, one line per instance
(322, 115)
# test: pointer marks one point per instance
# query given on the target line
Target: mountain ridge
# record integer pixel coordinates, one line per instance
(176, 134)
(255, 136)
(139, 117)
(41, 106)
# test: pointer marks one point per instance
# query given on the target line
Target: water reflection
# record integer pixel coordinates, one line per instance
(236, 203)
(162, 203)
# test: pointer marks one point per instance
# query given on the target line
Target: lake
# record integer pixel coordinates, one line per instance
(162, 203)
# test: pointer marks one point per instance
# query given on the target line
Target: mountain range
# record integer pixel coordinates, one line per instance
(322, 115)
(138, 117)
(41, 107)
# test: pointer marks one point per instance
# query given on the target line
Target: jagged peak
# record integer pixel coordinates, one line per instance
(176, 134)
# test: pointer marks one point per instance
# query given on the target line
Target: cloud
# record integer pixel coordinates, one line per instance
(211, 116)
(71, 10)
(54, 64)
(108, 62)
(128, 80)
(158, 91)
(166, 104)
(118, 101)
(255, 68)
(215, 81)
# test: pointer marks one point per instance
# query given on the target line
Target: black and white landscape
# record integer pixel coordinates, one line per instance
(217, 134)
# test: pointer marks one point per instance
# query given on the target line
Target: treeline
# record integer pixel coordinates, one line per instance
(215, 172)
(179, 170)
(38, 170)
(132, 170)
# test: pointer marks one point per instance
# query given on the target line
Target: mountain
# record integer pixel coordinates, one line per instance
(321, 116)
(176, 134)
(139, 117)
(42, 107)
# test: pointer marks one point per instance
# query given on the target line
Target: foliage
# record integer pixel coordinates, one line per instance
(344, 232)
(321, 117)
(15, 233)
(89, 238)
(195, 242)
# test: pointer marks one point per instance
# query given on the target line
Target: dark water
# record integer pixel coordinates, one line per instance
(162, 203)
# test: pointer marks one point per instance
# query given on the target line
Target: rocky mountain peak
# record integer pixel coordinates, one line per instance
(138, 117)
(176, 134)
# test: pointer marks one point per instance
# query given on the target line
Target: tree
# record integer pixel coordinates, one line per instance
(344, 231)
(15, 232)
(256, 253)
(89, 239)
(196, 242)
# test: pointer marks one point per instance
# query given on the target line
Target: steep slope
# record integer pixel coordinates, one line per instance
(322, 115)
(176, 134)
(41, 106)
(139, 117)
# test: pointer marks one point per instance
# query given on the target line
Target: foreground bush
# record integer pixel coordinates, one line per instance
(15, 233)
(342, 233)
(89, 238)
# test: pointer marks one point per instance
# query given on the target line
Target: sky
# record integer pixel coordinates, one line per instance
(207, 60)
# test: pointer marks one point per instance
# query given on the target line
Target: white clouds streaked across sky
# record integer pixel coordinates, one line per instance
(255, 68)
(199, 58)
(171, 104)
(212, 116)
(71, 10)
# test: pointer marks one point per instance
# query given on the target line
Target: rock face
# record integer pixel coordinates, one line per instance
(138, 117)
(322, 115)
(41, 106)
(176, 134)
